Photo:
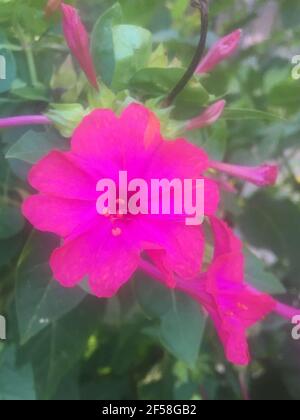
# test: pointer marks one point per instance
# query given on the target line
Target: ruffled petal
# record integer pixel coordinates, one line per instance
(115, 263)
(75, 258)
(182, 247)
(96, 136)
(57, 215)
(178, 159)
(225, 240)
(57, 174)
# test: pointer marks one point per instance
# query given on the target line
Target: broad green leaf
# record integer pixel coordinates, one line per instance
(16, 382)
(132, 51)
(139, 12)
(159, 58)
(212, 139)
(33, 145)
(274, 224)
(249, 114)
(37, 94)
(154, 298)
(11, 221)
(102, 44)
(257, 276)
(285, 95)
(182, 329)
(9, 248)
(156, 82)
(40, 300)
(57, 349)
(181, 325)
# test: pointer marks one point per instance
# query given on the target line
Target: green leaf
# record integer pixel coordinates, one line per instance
(132, 51)
(258, 277)
(154, 298)
(33, 145)
(11, 221)
(57, 349)
(159, 58)
(16, 382)
(140, 12)
(156, 82)
(102, 44)
(249, 114)
(40, 300)
(37, 94)
(274, 224)
(182, 329)
(9, 248)
(181, 324)
(212, 139)
(7, 66)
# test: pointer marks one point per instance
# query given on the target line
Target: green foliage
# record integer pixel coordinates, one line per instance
(147, 342)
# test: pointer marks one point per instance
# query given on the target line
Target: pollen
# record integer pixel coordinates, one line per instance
(242, 306)
(116, 232)
(106, 213)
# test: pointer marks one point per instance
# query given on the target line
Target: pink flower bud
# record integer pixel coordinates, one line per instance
(261, 176)
(78, 41)
(208, 117)
(221, 50)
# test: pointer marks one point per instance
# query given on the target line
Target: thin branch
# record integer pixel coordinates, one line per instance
(202, 5)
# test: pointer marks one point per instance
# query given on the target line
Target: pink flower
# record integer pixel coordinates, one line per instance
(221, 50)
(78, 41)
(261, 176)
(208, 117)
(231, 304)
(107, 249)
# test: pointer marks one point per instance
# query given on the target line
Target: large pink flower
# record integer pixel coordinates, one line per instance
(107, 249)
(233, 306)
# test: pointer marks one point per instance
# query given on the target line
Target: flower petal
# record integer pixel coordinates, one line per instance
(225, 241)
(115, 263)
(221, 50)
(178, 159)
(57, 215)
(58, 175)
(208, 117)
(182, 246)
(141, 127)
(73, 260)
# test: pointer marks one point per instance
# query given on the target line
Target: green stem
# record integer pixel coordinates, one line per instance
(27, 47)
(202, 5)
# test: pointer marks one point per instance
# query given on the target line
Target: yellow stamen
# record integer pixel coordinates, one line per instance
(106, 213)
(242, 306)
(116, 232)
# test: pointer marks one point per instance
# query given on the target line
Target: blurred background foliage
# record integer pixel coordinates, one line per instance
(148, 343)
